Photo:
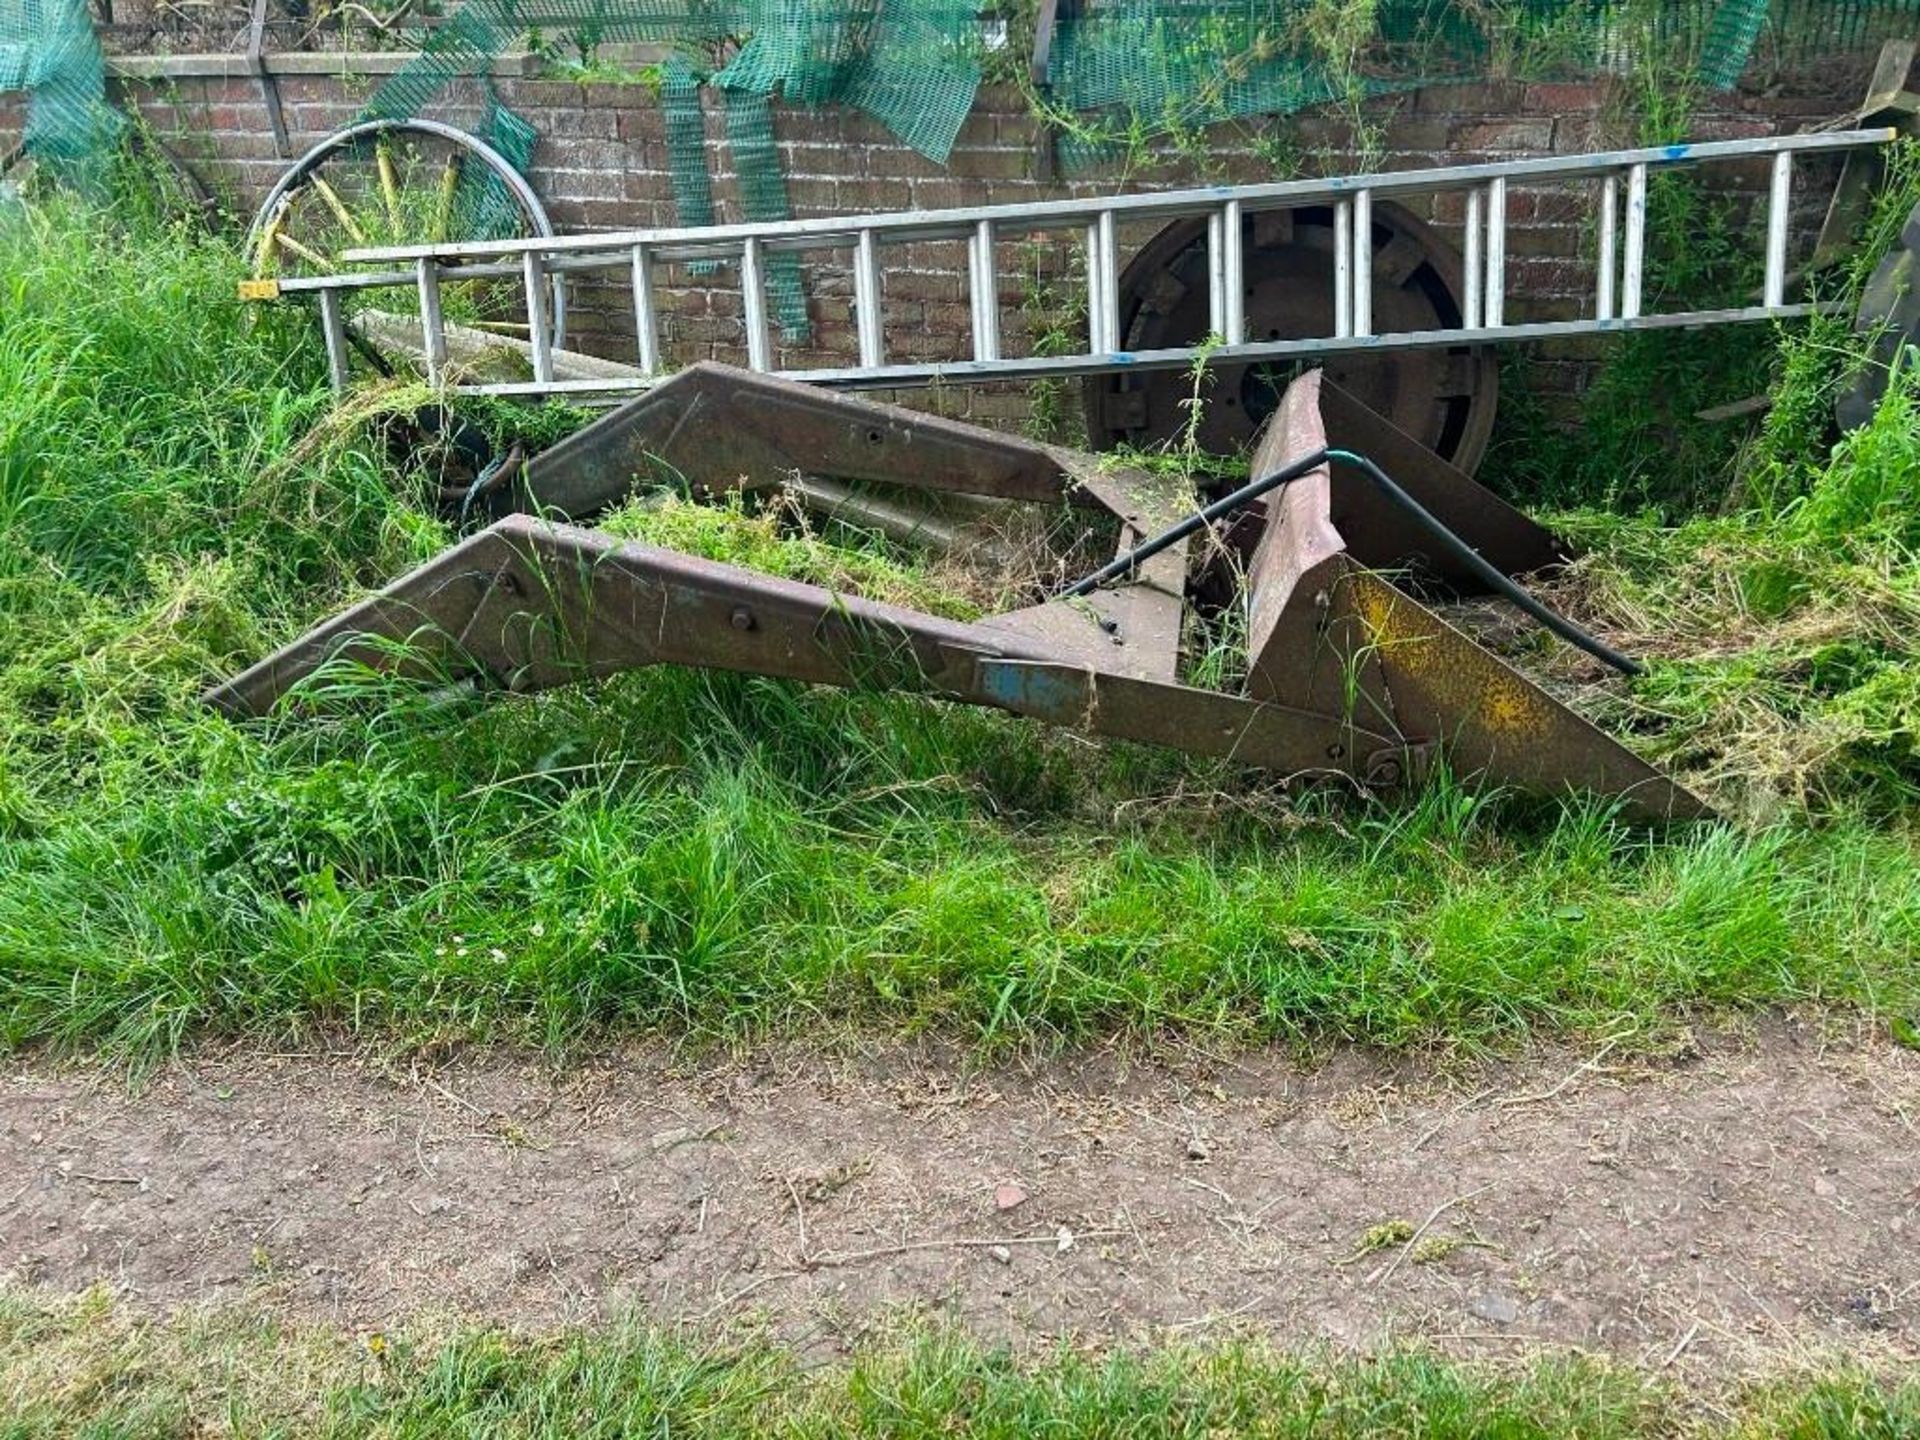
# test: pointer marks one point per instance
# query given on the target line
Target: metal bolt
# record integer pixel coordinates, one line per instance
(1336, 752)
(742, 618)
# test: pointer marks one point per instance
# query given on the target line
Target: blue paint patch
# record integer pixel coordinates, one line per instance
(1028, 690)
(1122, 357)
(1677, 152)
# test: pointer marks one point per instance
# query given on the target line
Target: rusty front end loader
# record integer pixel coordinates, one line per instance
(1347, 673)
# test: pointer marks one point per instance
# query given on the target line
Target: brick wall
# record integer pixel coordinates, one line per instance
(601, 163)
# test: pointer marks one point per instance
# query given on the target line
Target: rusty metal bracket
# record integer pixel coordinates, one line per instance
(269, 86)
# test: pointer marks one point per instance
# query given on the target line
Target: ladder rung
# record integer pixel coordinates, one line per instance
(1634, 260)
(1342, 269)
(433, 334)
(538, 334)
(1493, 300)
(984, 285)
(1233, 330)
(1216, 274)
(1363, 262)
(1475, 259)
(1609, 260)
(753, 304)
(335, 333)
(646, 319)
(866, 302)
(1105, 234)
(1779, 213)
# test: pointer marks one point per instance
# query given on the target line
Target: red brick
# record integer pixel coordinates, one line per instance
(1559, 241)
(870, 196)
(1491, 97)
(1731, 129)
(1566, 98)
(1505, 136)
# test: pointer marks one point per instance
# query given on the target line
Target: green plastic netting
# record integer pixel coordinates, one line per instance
(1119, 68)
(48, 49)
(1132, 68)
(911, 64)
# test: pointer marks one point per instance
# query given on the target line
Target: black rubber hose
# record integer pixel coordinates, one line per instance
(1493, 578)
(1225, 505)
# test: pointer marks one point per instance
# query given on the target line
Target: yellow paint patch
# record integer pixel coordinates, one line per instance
(1457, 674)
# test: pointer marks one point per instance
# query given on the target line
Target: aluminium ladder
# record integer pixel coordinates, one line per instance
(1619, 245)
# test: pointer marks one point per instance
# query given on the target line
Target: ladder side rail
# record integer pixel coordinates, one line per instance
(1010, 219)
(1065, 366)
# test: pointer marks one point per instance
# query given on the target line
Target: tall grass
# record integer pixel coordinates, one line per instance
(698, 853)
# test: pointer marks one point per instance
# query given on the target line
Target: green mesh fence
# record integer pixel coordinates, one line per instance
(911, 64)
(483, 207)
(48, 50)
(1123, 69)
(1136, 68)
(763, 196)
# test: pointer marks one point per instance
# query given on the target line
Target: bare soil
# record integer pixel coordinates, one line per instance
(1746, 1200)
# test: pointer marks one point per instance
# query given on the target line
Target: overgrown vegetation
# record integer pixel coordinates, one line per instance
(709, 853)
(88, 1367)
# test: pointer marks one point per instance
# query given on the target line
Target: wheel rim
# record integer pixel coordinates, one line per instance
(1444, 396)
(374, 209)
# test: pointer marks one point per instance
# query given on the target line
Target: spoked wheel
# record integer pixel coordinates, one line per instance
(405, 182)
(1443, 396)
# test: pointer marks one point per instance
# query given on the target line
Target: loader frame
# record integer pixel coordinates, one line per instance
(1349, 672)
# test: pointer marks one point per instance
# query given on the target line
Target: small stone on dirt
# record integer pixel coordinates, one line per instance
(1825, 1188)
(1008, 1197)
(1001, 1255)
(1496, 1308)
(1198, 1149)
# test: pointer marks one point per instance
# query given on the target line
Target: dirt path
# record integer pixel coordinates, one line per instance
(1757, 1199)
